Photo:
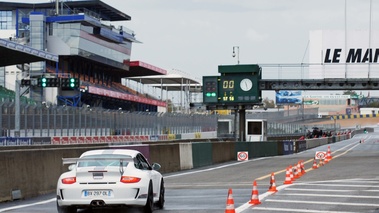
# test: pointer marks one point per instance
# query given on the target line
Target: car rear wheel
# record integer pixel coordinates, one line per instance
(65, 209)
(161, 200)
(149, 207)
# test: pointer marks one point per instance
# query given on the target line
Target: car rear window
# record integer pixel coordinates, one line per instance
(96, 160)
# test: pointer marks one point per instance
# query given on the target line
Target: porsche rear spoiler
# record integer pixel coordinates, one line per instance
(75, 160)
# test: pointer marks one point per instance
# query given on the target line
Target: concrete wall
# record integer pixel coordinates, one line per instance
(33, 170)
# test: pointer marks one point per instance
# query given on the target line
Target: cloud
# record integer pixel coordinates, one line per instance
(255, 36)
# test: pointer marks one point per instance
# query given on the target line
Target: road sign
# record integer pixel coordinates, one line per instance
(320, 155)
(242, 156)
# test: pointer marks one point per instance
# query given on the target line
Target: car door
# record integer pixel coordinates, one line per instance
(154, 175)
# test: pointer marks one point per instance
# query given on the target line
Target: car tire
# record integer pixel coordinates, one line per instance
(161, 200)
(149, 206)
(65, 209)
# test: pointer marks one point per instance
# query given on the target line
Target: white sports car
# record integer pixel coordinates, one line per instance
(110, 178)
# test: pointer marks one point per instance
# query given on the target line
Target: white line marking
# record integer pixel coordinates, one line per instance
(338, 185)
(322, 203)
(297, 210)
(328, 195)
(213, 168)
(27, 205)
(320, 190)
(260, 197)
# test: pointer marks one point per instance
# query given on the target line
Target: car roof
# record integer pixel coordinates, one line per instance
(129, 152)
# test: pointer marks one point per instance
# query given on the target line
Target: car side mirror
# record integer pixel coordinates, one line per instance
(156, 166)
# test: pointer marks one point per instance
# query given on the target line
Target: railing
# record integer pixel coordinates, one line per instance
(44, 120)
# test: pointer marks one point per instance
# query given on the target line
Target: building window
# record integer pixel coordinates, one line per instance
(6, 20)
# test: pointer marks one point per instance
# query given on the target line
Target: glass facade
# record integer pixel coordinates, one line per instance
(37, 39)
(6, 20)
(342, 102)
(82, 41)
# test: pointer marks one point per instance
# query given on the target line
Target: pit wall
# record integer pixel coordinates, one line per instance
(34, 170)
(64, 140)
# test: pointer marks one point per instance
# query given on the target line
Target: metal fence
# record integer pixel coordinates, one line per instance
(281, 122)
(43, 120)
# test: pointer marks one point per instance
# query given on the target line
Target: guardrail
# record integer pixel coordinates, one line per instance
(125, 139)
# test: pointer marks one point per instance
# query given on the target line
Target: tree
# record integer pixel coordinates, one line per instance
(268, 103)
(374, 104)
(350, 92)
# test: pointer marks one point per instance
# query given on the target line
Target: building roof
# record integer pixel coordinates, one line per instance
(105, 11)
(169, 82)
(12, 53)
(139, 68)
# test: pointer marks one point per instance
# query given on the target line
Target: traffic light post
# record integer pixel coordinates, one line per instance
(63, 83)
(69, 83)
(237, 88)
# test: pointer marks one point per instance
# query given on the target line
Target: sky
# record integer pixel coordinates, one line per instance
(194, 37)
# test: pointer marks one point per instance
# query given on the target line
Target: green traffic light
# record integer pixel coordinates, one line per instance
(44, 82)
(72, 82)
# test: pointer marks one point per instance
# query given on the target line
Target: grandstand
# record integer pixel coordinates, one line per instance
(89, 46)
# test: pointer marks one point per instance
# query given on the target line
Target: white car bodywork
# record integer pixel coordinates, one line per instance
(110, 178)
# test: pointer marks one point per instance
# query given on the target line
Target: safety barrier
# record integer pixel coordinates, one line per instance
(11, 141)
(65, 140)
(103, 139)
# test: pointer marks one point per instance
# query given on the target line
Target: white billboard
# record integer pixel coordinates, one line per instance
(340, 54)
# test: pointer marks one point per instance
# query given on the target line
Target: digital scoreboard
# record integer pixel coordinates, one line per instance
(237, 85)
(239, 89)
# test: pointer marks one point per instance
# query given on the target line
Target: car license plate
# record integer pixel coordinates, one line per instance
(97, 193)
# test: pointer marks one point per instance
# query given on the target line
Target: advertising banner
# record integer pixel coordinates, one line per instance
(288, 97)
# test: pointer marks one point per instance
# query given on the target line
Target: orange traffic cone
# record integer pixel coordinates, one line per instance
(321, 162)
(288, 179)
(314, 164)
(291, 173)
(297, 171)
(230, 203)
(329, 154)
(326, 160)
(254, 195)
(272, 184)
(302, 167)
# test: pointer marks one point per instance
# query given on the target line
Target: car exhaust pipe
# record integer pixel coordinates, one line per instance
(97, 203)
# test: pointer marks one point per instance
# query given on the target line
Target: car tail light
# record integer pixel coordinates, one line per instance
(129, 179)
(69, 180)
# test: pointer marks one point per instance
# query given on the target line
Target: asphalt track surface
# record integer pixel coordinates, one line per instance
(348, 183)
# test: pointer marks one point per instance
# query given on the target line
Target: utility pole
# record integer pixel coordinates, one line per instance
(17, 109)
